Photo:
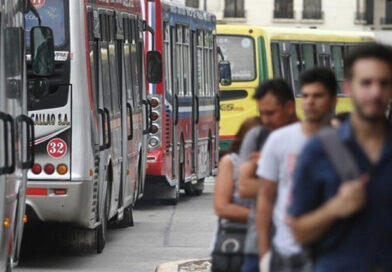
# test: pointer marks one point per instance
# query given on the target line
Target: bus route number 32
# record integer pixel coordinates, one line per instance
(57, 148)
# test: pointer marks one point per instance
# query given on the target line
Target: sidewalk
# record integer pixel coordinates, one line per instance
(185, 266)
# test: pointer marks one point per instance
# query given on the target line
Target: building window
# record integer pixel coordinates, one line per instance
(192, 3)
(234, 9)
(365, 11)
(284, 9)
(388, 12)
(312, 10)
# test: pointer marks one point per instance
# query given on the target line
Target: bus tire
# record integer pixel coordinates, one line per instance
(101, 230)
(127, 220)
(194, 189)
(176, 195)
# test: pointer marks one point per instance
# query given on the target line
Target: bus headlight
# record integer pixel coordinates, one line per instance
(153, 142)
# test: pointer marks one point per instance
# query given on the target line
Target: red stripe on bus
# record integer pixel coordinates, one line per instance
(37, 191)
(227, 137)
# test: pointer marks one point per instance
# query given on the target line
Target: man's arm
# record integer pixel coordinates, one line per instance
(350, 199)
(248, 183)
(265, 204)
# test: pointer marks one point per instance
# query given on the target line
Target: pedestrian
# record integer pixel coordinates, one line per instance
(339, 118)
(275, 170)
(347, 222)
(232, 210)
(276, 105)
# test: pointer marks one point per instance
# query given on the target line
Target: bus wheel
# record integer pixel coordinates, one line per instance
(9, 265)
(127, 220)
(194, 189)
(102, 229)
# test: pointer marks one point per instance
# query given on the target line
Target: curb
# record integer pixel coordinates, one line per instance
(202, 265)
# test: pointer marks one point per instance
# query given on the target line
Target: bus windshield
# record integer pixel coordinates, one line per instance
(240, 51)
(52, 15)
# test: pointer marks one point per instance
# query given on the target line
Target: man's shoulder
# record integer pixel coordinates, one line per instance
(286, 131)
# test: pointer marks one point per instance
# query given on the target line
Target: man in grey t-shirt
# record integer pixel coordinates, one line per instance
(277, 108)
(276, 167)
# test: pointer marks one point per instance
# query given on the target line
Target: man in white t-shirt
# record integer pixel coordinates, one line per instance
(276, 167)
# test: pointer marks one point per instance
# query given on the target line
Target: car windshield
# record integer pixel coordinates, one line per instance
(52, 15)
(240, 51)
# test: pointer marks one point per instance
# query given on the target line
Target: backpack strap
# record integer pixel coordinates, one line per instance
(340, 156)
(347, 169)
(262, 137)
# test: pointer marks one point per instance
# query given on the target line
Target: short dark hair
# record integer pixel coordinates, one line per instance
(366, 51)
(278, 88)
(322, 75)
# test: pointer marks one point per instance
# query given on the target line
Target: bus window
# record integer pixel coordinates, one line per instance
(134, 63)
(127, 58)
(93, 59)
(199, 65)
(104, 56)
(296, 65)
(240, 51)
(309, 55)
(186, 60)
(286, 65)
(211, 64)
(206, 66)
(139, 54)
(337, 54)
(276, 60)
(179, 63)
(113, 65)
(167, 56)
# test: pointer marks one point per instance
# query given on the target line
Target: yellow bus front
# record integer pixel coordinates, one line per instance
(241, 46)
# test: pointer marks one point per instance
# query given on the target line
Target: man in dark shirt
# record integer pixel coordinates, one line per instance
(349, 223)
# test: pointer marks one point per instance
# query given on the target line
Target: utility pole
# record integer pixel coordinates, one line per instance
(205, 5)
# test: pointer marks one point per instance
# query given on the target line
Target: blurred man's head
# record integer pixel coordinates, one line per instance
(276, 103)
(369, 80)
(318, 94)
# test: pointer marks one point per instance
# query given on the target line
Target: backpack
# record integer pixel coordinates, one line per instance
(347, 169)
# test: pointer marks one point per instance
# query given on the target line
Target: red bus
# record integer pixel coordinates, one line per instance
(183, 138)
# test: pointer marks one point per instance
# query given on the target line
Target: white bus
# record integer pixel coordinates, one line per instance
(91, 117)
(16, 128)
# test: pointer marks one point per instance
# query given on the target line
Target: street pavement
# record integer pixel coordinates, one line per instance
(161, 234)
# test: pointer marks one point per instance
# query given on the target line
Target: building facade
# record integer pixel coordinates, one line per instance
(351, 15)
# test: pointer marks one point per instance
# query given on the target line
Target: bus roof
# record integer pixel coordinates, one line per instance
(298, 34)
(179, 9)
(133, 6)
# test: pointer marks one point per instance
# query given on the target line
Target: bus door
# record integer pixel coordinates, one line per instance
(196, 72)
(126, 112)
(175, 106)
(140, 99)
(132, 124)
(114, 93)
(98, 67)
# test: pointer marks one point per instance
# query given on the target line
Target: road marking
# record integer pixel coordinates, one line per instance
(203, 265)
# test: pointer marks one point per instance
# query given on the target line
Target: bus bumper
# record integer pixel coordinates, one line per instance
(158, 188)
(224, 145)
(155, 163)
(62, 202)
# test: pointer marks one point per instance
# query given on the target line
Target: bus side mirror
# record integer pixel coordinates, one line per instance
(42, 50)
(225, 73)
(154, 67)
